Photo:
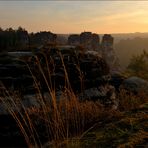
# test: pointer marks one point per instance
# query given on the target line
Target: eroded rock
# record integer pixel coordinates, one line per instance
(88, 40)
(91, 41)
(85, 72)
(136, 85)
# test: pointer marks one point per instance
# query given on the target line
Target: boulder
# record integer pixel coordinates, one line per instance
(31, 101)
(135, 85)
(116, 80)
(104, 94)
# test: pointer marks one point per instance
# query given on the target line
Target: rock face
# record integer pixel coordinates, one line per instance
(136, 85)
(108, 53)
(74, 40)
(91, 41)
(117, 80)
(14, 74)
(78, 68)
(88, 40)
(85, 72)
(73, 68)
(107, 40)
(105, 94)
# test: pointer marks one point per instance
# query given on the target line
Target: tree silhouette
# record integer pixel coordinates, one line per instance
(139, 65)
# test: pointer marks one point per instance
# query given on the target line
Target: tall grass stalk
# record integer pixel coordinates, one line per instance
(13, 105)
(64, 118)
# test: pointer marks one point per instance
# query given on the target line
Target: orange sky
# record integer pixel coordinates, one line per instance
(76, 16)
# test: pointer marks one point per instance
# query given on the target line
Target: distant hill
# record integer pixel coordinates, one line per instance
(122, 36)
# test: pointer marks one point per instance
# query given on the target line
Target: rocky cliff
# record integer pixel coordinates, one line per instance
(108, 53)
(84, 72)
(91, 41)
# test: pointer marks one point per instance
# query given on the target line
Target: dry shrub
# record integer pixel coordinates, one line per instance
(138, 139)
(130, 101)
(64, 119)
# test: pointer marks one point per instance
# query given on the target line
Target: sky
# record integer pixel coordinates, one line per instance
(75, 16)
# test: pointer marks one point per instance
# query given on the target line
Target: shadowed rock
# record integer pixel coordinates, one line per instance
(135, 85)
(91, 41)
(81, 71)
(76, 69)
(88, 40)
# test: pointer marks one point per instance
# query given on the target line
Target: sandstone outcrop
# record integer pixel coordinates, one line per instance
(81, 71)
(91, 41)
(78, 70)
(108, 53)
(84, 72)
(15, 74)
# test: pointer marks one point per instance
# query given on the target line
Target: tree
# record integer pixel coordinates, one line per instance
(11, 39)
(138, 65)
(20, 29)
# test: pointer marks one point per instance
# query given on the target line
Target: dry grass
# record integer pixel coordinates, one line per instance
(55, 120)
(62, 121)
(130, 101)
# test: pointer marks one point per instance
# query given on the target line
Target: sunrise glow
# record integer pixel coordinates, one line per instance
(76, 16)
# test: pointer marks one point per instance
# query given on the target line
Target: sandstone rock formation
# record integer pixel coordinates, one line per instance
(82, 72)
(88, 40)
(14, 74)
(74, 40)
(108, 53)
(85, 72)
(91, 41)
(73, 68)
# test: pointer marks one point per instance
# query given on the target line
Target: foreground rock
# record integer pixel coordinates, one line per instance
(136, 85)
(85, 73)
(77, 70)
(117, 80)
(105, 94)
